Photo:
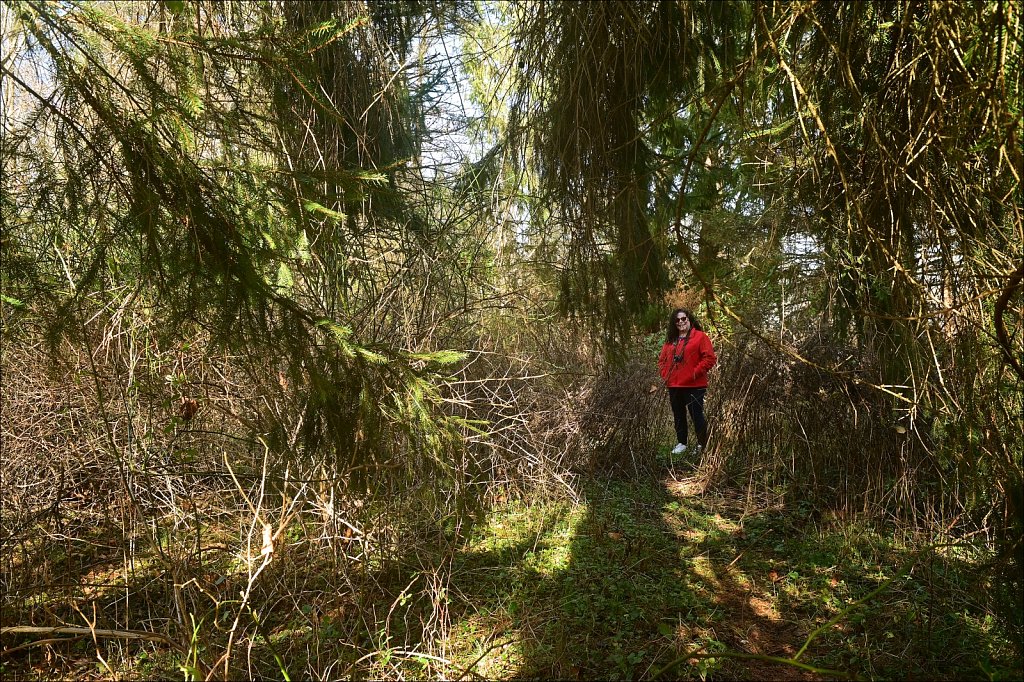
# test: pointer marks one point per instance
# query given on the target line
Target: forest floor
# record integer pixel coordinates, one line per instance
(640, 578)
(658, 579)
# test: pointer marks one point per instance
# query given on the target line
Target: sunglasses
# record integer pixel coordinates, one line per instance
(681, 319)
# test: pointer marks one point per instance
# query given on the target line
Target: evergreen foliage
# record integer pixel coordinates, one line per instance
(236, 171)
(242, 259)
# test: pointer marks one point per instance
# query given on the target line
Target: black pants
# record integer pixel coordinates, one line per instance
(692, 399)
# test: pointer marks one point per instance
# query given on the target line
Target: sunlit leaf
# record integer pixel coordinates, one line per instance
(314, 207)
(10, 300)
(440, 357)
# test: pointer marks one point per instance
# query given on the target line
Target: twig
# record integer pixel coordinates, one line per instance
(469, 669)
(838, 674)
(40, 642)
(82, 632)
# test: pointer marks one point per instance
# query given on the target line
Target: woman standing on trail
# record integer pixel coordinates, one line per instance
(684, 362)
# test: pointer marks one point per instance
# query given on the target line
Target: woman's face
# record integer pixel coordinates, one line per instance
(682, 322)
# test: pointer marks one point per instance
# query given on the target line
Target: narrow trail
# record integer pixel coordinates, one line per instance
(752, 620)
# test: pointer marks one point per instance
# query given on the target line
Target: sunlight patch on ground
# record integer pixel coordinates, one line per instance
(553, 560)
(702, 568)
(485, 639)
(693, 535)
(514, 525)
(764, 608)
(685, 487)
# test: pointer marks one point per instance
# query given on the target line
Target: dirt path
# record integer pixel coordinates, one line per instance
(754, 622)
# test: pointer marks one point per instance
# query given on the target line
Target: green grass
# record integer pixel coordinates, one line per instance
(627, 582)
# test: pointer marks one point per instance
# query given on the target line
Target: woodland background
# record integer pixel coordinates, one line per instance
(293, 293)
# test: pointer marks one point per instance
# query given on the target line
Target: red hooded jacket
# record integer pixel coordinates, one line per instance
(697, 358)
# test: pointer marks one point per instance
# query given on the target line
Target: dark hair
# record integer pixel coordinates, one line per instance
(672, 334)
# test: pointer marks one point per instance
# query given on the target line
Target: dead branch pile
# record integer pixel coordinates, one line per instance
(835, 440)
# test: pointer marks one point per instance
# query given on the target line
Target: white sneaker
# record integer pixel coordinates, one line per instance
(679, 449)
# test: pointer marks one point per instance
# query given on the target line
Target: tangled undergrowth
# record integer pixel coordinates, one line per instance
(145, 535)
(649, 577)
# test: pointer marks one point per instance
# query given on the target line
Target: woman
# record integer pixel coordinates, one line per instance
(684, 362)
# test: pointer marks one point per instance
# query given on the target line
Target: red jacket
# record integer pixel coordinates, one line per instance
(697, 358)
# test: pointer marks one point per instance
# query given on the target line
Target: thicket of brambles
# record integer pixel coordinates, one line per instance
(292, 291)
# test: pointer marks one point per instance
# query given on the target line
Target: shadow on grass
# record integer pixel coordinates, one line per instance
(614, 589)
(642, 573)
